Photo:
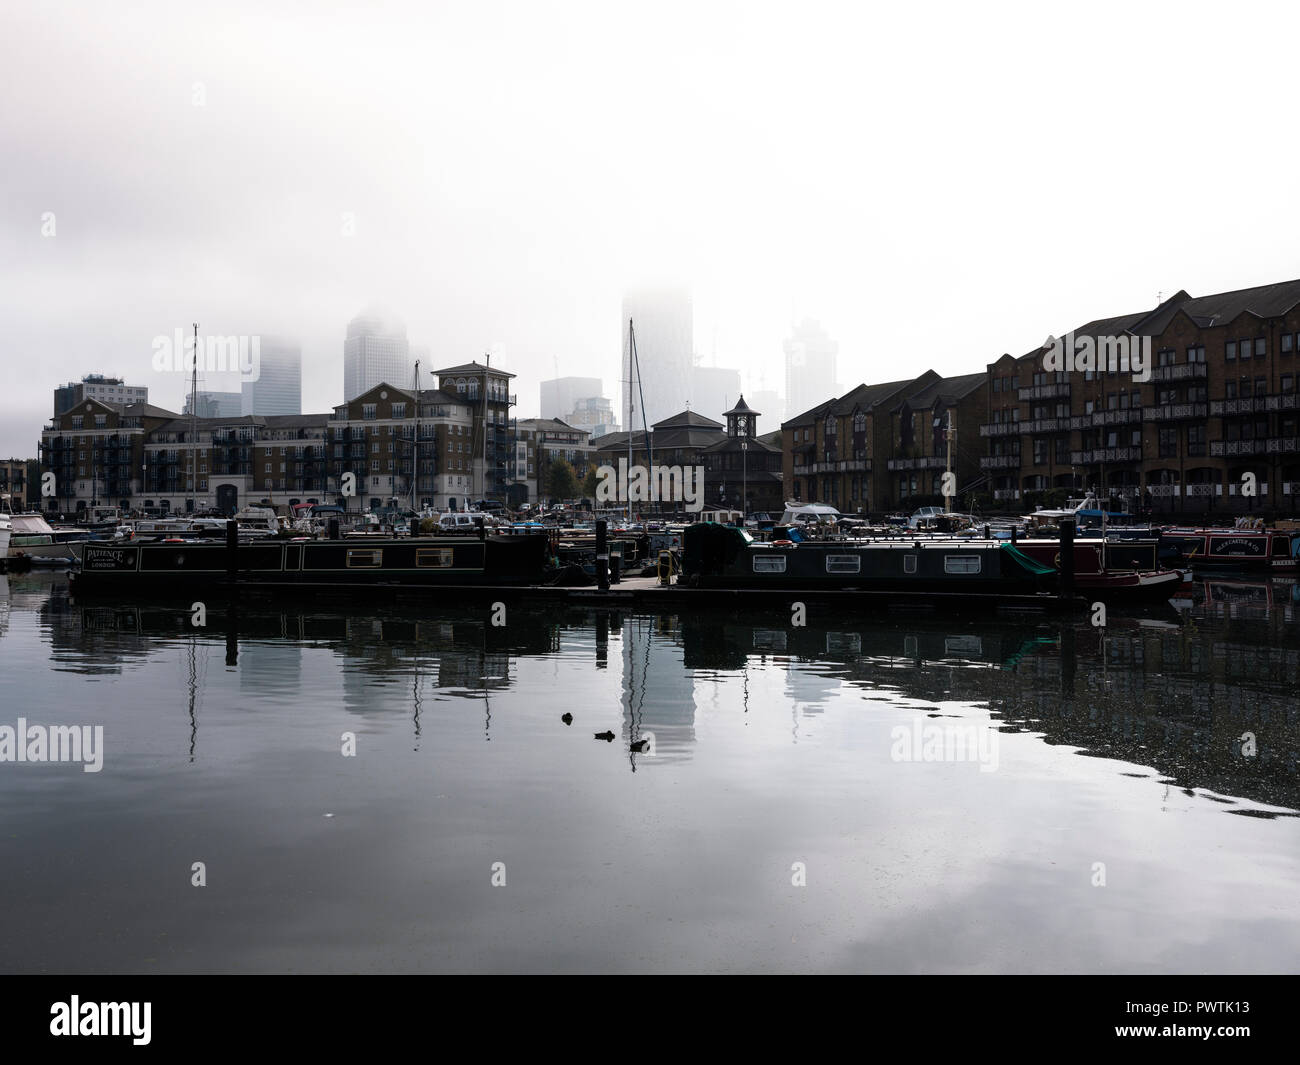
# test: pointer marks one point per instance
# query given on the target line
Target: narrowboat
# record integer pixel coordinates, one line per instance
(1236, 550)
(450, 561)
(719, 556)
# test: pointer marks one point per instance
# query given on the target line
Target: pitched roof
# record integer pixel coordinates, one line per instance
(472, 367)
(742, 407)
(687, 418)
(943, 390)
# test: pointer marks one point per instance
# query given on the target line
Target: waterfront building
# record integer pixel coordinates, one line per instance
(97, 386)
(742, 471)
(20, 485)
(538, 443)
(677, 441)
(1215, 428)
(923, 424)
(486, 392)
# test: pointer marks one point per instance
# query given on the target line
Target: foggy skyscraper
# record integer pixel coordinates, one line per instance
(809, 367)
(278, 388)
(376, 350)
(664, 320)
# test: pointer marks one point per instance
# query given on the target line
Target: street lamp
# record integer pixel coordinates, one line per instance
(744, 482)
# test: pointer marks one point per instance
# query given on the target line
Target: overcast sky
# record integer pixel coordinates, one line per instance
(937, 183)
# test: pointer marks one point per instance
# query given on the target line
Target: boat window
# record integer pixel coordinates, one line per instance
(843, 564)
(909, 563)
(359, 558)
(961, 563)
(769, 563)
(433, 557)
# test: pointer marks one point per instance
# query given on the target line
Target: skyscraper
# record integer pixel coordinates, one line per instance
(560, 395)
(215, 404)
(714, 390)
(664, 323)
(375, 351)
(278, 388)
(809, 367)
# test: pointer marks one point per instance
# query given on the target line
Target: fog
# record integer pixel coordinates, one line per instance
(937, 184)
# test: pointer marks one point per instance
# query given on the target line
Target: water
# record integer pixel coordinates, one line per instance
(778, 755)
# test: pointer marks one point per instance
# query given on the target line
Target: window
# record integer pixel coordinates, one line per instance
(1261, 347)
(399, 410)
(843, 563)
(1288, 343)
(769, 563)
(1196, 353)
(76, 421)
(909, 563)
(1230, 389)
(433, 557)
(1230, 350)
(367, 410)
(1288, 383)
(1261, 386)
(961, 563)
(268, 468)
(370, 558)
(1243, 349)
(1166, 357)
(1196, 441)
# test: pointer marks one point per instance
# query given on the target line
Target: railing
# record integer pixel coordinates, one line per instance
(1056, 390)
(1106, 417)
(1000, 462)
(1105, 454)
(1001, 429)
(921, 462)
(842, 466)
(1244, 405)
(1273, 445)
(1286, 402)
(1006, 493)
(1175, 411)
(1186, 372)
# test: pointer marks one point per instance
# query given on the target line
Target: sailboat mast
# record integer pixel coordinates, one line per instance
(415, 446)
(194, 422)
(947, 469)
(487, 356)
(631, 428)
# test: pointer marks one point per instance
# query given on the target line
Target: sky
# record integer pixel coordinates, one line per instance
(937, 184)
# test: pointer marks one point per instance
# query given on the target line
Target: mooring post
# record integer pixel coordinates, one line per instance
(333, 529)
(232, 549)
(602, 641)
(1067, 558)
(602, 557)
(232, 636)
(482, 528)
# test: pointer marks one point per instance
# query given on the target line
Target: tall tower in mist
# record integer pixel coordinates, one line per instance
(664, 319)
(375, 350)
(809, 367)
(278, 388)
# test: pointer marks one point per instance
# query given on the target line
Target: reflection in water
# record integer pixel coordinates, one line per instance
(746, 744)
(1174, 695)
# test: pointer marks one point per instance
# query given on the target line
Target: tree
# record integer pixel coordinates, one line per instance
(561, 481)
(589, 483)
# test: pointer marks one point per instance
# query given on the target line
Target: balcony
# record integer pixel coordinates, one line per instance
(1105, 454)
(1006, 493)
(1175, 412)
(1285, 402)
(1046, 425)
(1244, 405)
(842, 466)
(1106, 417)
(1000, 462)
(1059, 390)
(921, 462)
(1273, 445)
(1187, 372)
(1001, 429)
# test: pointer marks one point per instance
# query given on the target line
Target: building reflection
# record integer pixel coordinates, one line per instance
(1176, 693)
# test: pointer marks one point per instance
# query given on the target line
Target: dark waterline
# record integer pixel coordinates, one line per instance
(771, 753)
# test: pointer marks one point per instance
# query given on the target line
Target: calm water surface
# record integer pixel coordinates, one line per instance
(783, 816)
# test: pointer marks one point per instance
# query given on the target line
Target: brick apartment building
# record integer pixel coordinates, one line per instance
(880, 445)
(1218, 411)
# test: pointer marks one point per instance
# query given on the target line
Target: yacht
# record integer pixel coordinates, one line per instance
(6, 528)
(33, 538)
